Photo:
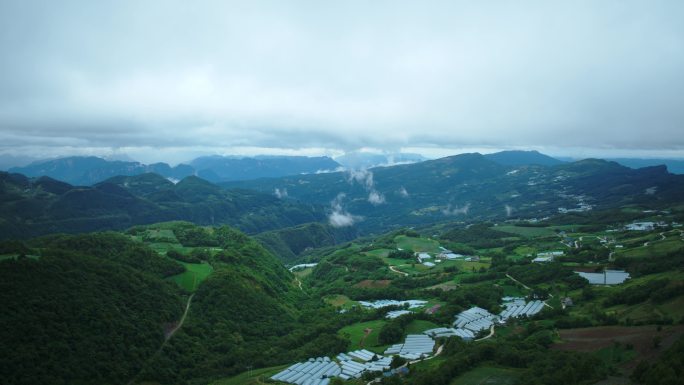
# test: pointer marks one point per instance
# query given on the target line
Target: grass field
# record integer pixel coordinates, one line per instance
(193, 275)
(657, 247)
(487, 375)
(417, 244)
(163, 247)
(340, 300)
(160, 234)
(382, 253)
(356, 332)
(253, 377)
(527, 232)
(303, 273)
(419, 326)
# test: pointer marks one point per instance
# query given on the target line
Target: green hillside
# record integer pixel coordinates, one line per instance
(89, 309)
(32, 207)
(472, 187)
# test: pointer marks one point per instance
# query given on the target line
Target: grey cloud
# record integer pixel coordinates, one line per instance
(386, 74)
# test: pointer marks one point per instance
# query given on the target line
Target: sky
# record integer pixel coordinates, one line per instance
(171, 80)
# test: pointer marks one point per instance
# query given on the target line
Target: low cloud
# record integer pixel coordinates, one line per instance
(280, 194)
(339, 217)
(403, 193)
(362, 177)
(509, 210)
(455, 210)
(365, 179)
(376, 198)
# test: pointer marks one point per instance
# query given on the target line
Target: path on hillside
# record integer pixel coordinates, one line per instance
(398, 271)
(490, 335)
(180, 323)
(299, 283)
(166, 339)
(662, 238)
(518, 282)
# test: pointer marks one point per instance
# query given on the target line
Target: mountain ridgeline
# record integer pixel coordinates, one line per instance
(32, 207)
(89, 170)
(471, 187)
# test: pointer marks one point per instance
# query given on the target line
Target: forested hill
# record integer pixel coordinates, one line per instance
(289, 243)
(32, 207)
(94, 308)
(472, 187)
(82, 310)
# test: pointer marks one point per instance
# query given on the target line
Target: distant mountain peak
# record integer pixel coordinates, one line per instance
(523, 158)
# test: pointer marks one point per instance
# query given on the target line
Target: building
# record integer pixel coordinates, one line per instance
(608, 277)
(640, 226)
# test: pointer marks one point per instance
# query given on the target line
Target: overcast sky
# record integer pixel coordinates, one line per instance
(171, 80)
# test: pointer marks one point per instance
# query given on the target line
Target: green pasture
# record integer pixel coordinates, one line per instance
(419, 326)
(417, 245)
(355, 332)
(527, 232)
(193, 275)
(339, 300)
(381, 253)
(303, 272)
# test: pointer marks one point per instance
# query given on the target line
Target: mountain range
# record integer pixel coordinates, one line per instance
(89, 170)
(464, 187)
(473, 186)
(36, 206)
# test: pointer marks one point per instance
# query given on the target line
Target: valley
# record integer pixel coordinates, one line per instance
(501, 297)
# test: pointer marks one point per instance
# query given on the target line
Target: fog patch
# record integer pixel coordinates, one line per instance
(455, 210)
(280, 194)
(339, 217)
(403, 193)
(365, 179)
(376, 198)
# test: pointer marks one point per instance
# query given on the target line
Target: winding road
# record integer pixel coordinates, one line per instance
(398, 271)
(490, 335)
(167, 337)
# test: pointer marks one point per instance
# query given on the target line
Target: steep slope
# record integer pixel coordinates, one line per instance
(90, 309)
(97, 308)
(289, 243)
(248, 313)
